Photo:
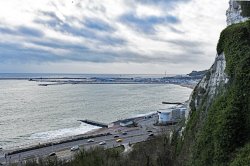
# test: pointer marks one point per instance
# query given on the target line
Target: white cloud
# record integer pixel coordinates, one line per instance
(170, 45)
(145, 11)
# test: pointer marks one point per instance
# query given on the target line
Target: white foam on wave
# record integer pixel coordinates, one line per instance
(62, 133)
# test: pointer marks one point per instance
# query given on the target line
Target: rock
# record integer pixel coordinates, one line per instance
(234, 13)
(210, 83)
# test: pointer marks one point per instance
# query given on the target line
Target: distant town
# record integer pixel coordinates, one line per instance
(188, 80)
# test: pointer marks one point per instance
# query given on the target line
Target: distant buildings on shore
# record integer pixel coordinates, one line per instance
(167, 116)
(189, 79)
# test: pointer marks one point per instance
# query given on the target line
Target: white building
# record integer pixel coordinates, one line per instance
(183, 113)
(168, 116)
(176, 114)
(164, 117)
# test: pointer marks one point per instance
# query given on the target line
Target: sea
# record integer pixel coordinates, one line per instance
(32, 114)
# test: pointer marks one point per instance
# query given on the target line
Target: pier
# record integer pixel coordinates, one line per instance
(165, 102)
(94, 123)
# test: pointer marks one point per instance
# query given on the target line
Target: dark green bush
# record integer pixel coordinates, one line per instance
(243, 157)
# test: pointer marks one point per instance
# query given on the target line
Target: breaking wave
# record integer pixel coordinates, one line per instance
(62, 133)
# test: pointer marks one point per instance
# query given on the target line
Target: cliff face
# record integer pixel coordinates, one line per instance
(210, 83)
(234, 13)
(216, 76)
(218, 126)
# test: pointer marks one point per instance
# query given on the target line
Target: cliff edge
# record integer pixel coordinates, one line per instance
(217, 131)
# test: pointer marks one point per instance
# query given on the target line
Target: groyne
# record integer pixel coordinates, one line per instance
(94, 123)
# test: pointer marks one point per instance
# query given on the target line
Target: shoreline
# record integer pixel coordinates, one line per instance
(94, 133)
(190, 86)
(88, 134)
(145, 126)
(185, 81)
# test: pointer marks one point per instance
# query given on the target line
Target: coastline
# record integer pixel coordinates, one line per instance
(88, 135)
(54, 134)
(142, 131)
(43, 147)
(94, 133)
(191, 86)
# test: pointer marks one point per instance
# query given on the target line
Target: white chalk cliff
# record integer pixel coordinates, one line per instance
(208, 87)
(234, 13)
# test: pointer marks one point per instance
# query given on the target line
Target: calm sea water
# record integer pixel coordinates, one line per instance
(30, 113)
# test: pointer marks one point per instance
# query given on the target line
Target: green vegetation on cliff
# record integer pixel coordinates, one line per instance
(245, 6)
(221, 134)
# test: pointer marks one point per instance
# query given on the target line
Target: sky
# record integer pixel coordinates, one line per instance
(109, 36)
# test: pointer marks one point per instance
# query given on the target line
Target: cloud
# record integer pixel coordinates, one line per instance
(27, 31)
(96, 24)
(164, 34)
(12, 53)
(4, 30)
(22, 31)
(166, 2)
(86, 28)
(61, 45)
(147, 24)
(163, 3)
(51, 20)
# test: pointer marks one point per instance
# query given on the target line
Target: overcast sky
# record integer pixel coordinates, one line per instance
(109, 36)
